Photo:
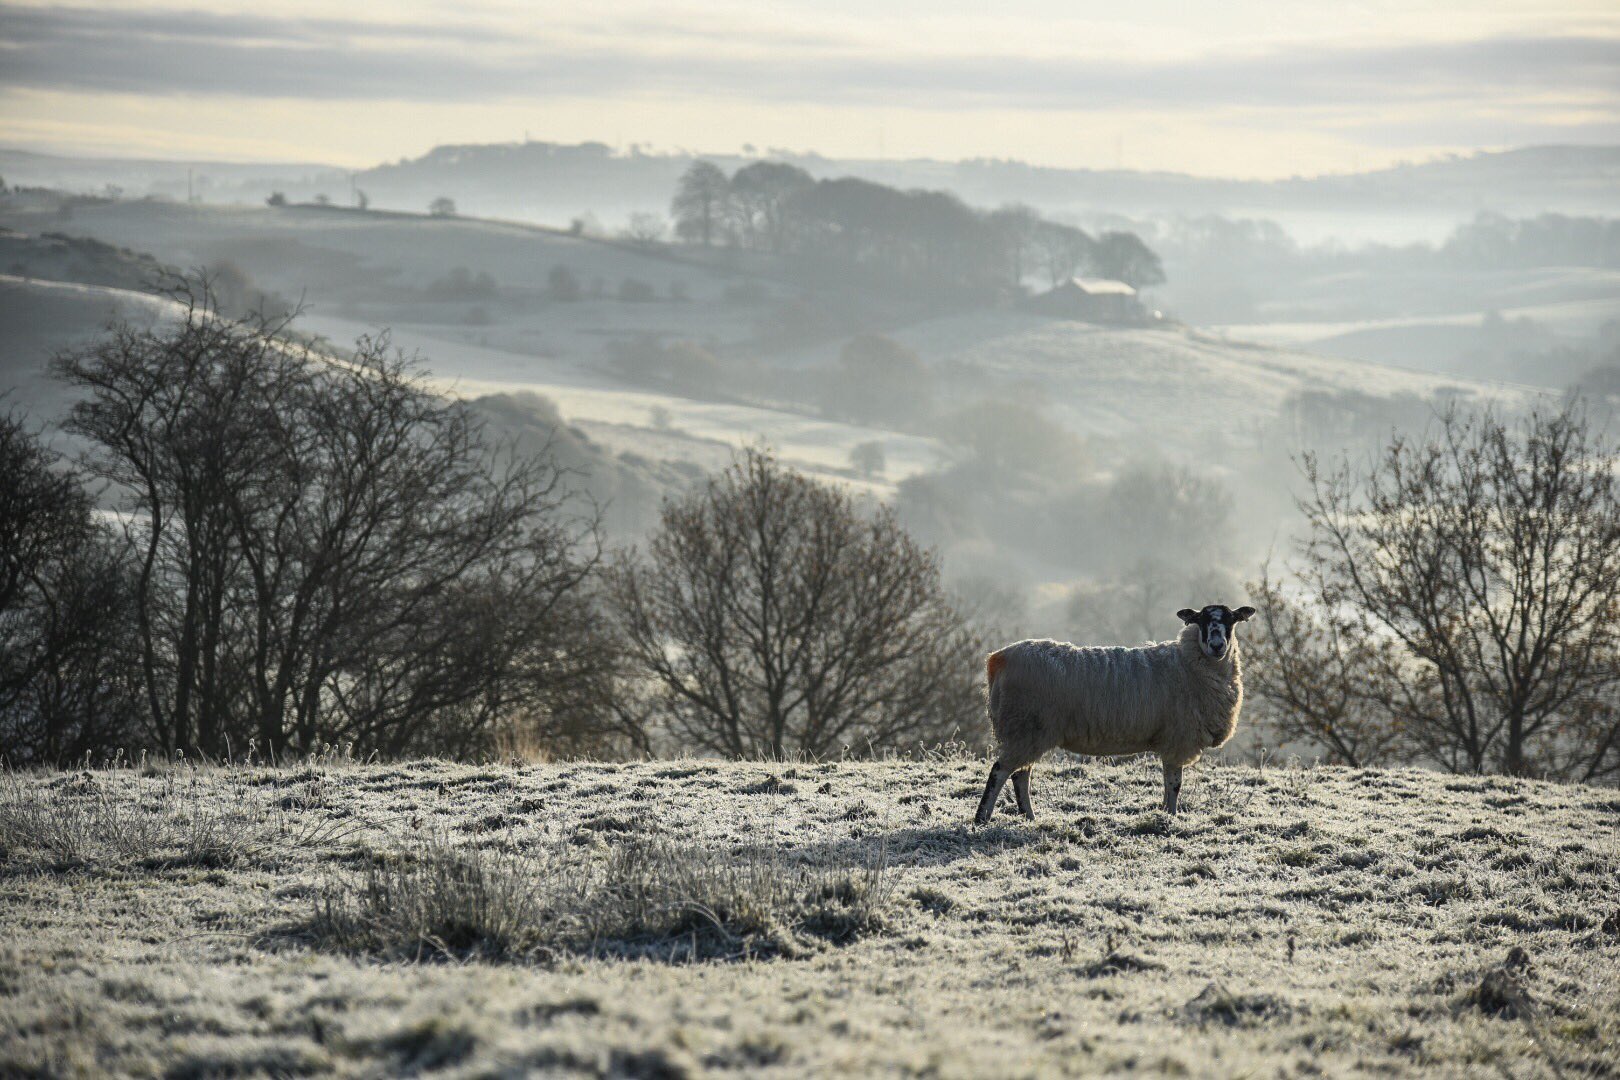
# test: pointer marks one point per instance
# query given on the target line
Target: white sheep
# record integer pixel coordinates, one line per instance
(1175, 699)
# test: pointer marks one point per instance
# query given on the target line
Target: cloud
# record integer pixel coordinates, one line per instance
(187, 53)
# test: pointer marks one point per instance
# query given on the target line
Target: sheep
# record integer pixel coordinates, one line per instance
(1176, 699)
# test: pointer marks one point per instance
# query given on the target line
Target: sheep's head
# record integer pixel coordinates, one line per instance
(1217, 627)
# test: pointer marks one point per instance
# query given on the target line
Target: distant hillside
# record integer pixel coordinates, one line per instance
(591, 175)
(82, 259)
(551, 181)
(361, 271)
(209, 180)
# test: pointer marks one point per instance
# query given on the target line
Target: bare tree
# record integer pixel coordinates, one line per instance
(645, 230)
(325, 551)
(774, 618)
(701, 203)
(1139, 604)
(68, 686)
(1017, 227)
(1314, 676)
(761, 194)
(1063, 249)
(1489, 554)
(1123, 257)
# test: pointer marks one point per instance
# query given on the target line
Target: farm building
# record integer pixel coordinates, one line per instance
(1091, 300)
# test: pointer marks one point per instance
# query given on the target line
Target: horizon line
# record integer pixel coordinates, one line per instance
(782, 154)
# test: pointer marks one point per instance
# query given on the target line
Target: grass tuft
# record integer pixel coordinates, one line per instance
(182, 821)
(649, 899)
(1215, 1003)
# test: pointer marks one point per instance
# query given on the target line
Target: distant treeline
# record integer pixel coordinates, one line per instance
(1548, 240)
(926, 236)
(1489, 241)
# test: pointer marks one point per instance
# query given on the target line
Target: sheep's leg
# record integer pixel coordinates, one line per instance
(992, 791)
(1172, 787)
(1021, 790)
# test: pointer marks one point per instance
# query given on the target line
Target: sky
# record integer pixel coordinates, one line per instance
(1232, 88)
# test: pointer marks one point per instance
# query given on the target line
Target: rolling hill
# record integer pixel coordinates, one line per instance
(476, 300)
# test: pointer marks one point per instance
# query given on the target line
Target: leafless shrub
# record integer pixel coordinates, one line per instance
(1011, 438)
(878, 380)
(651, 895)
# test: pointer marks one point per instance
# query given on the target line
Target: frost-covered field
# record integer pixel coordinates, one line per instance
(484, 920)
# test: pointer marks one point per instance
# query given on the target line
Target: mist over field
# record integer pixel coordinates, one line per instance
(502, 526)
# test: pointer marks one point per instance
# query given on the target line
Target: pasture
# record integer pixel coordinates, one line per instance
(694, 917)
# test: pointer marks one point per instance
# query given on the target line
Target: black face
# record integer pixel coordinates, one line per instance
(1217, 625)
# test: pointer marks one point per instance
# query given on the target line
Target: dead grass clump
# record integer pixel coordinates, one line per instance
(86, 823)
(645, 899)
(1215, 1003)
(1437, 890)
(1119, 961)
(771, 785)
(446, 900)
(1501, 990)
(1153, 823)
(661, 900)
(933, 900)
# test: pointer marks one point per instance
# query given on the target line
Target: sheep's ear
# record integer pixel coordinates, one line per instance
(1187, 614)
(1243, 614)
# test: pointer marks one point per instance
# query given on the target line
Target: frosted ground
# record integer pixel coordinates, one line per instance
(1290, 922)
